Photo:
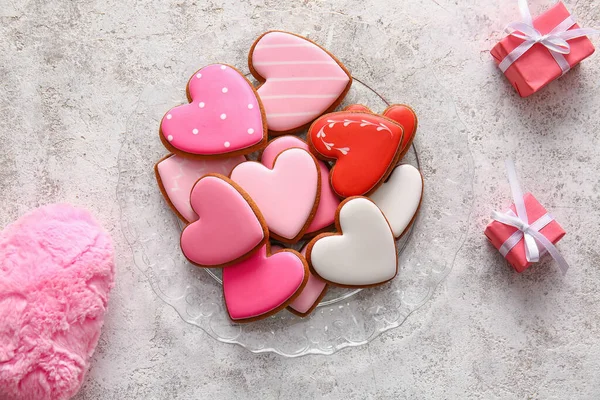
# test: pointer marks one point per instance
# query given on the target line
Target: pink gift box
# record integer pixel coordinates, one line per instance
(536, 68)
(498, 233)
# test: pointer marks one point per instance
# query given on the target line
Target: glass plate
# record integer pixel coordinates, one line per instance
(344, 317)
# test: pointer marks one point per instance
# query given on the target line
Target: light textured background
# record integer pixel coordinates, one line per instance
(71, 74)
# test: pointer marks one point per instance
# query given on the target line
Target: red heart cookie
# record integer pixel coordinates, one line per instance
(299, 80)
(366, 148)
(402, 114)
(224, 116)
(263, 284)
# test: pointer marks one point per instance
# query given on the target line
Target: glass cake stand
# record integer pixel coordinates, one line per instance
(344, 317)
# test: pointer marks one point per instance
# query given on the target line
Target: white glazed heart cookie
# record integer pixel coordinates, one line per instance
(362, 254)
(399, 198)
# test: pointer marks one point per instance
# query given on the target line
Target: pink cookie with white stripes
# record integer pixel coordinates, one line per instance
(176, 176)
(299, 80)
(223, 118)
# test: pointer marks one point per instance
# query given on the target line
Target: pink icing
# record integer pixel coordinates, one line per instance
(227, 228)
(260, 284)
(328, 202)
(285, 194)
(302, 80)
(223, 117)
(178, 175)
(310, 294)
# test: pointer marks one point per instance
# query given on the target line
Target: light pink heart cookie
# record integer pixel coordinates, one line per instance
(224, 116)
(287, 195)
(56, 271)
(299, 80)
(229, 228)
(263, 284)
(310, 295)
(328, 201)
(177, 175)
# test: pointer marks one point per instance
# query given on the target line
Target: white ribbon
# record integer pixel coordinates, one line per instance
(529, 232)
(555, 41)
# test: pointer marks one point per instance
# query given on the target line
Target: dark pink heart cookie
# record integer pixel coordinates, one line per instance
(263, 284)
(224, 116)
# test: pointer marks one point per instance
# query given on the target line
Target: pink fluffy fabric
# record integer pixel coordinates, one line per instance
(56, 270)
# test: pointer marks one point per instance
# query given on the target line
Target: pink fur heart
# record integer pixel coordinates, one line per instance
(56, 271)
(287, 195)
(229, 225)
(263, 284)
(224, 116)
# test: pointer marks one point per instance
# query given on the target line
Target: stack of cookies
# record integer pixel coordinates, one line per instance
(342, 193)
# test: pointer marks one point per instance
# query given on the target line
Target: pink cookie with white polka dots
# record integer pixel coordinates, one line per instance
(223, 118)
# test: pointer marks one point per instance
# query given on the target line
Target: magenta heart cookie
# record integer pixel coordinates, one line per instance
(229, 225)
(328, 202)
(224, 116)
(56, 271)
(299, 79)
(263, 284)
(287, 195)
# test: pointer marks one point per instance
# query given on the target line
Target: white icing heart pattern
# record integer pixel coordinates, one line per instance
(363, 255)
(400, 197)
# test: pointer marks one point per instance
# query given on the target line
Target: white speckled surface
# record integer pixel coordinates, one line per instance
(72, 74)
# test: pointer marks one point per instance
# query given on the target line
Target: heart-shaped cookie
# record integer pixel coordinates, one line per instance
(224, 116)
(230, 226)
(299, 80)
(287, 195)
(362, 255)
(56, 271)
(177, 175)
(366, 148)
(328, 201)
(263, 284)
(310, 296)
(403, 115)
(399, 197)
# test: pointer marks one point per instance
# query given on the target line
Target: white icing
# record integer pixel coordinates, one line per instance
(195, 131)
(227, 144)
(223, 67)
(170, 137)
(365, 253)
(224, 90)
(250, 106)
(201, 104)
(399, 197)
(169, 116)
(223, 116)
(250, 131)
(198, 76)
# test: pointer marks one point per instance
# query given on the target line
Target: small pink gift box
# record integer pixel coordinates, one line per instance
(510, 241)
(539, 51)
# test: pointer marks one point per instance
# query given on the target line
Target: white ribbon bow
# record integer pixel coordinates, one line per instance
(529, 232)
(555, 41)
